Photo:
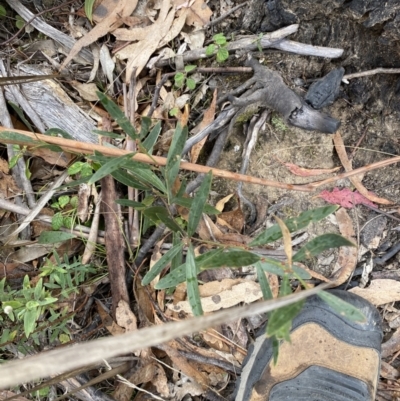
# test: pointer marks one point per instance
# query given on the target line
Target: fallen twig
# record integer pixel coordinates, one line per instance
(89, 148)
(67, 358)
(274, 40)
(370, 72)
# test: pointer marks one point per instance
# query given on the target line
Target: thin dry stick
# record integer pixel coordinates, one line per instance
(371, 72)
(89, 148)
(63, 359)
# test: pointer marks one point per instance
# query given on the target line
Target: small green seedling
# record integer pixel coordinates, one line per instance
(219, 48)
(181, 78)
(66, 210)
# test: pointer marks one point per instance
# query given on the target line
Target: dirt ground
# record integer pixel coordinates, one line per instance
(360, 107)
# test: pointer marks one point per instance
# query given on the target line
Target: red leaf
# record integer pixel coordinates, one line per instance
(345, 198)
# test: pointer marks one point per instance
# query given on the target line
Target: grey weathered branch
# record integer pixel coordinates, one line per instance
(275, 40)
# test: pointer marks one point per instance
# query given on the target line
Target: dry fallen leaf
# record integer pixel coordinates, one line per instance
(125, 317)
(345, 197)
(248, 291)
(355, 180)
(207, 120)
(112, 12)
(305, 172)
(380, 291)
(347, 259)
(108, 321)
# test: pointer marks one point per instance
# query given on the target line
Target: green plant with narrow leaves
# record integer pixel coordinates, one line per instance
(161, 190)
(218, 47)
(27, 311)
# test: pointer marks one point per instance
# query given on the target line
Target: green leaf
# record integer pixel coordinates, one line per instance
(29, 321)
(177, 259)
(174, 112)
(343, 308)
(187, 202)
(13, 304)
(14, 160)
(145, 175)
(293, 224)
(285, 288)
(63, 201)
(127, 179)
(58, 132)
(57, 221)
(89, 9)
(178, 275)
(68, 222)
(229, 258)
(213, 259)
(38, 289)
(113, 164)
(19, 22)
(191, 83)
(131, 203)
(219, 39)
(320, 244)
(179, 79)
(210, 49)
(118, 116)
(6, 136)
(87, 170)
(280, 320)
(74, 202)
(52, 237)
(3, 12)
(107, 134)
(264, 284)
(192, 284)
(276, 267)
(190, 68)
(222, 55)
(75, 168)
(161, 264)
(151, 139)
(199, 201)
(145, 126)
(160, 214)
(174, 157)
(21, 115)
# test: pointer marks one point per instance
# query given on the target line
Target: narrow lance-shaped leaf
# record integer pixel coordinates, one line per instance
(151, 139)
(276, 267)
(109, 167)
(160, 264)
(320, 244)
(52, 237)
(174, 158)
(10, 137)
(293, 224)
(264, 284)
(342, 307)
(188, 202)
(213, 259)
(192, 284)
(178, 275)
(145, 126)
(199, 201)
(118, 116)
(58, 132)
(280, 320)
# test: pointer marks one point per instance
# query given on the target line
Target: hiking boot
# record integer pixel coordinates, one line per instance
(329, 357)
